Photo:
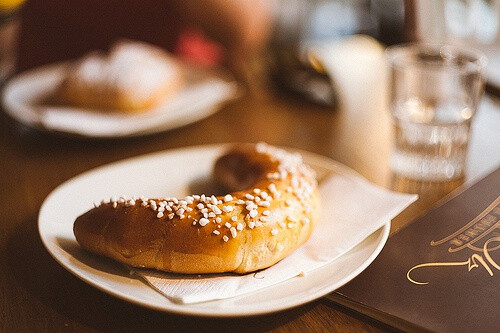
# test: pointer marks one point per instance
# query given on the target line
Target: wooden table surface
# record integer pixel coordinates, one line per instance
(37, 294)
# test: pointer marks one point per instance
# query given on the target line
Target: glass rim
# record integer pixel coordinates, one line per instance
(397, 56)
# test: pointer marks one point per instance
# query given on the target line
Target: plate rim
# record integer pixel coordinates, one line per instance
(382, 235)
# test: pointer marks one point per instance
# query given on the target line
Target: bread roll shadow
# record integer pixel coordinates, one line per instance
(206, 185)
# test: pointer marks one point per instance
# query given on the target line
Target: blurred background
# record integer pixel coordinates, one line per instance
(215, 32)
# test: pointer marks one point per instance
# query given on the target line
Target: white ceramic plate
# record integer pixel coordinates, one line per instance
(179, 173)
(23, 96)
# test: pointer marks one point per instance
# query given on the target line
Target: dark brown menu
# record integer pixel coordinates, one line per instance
(441, 272)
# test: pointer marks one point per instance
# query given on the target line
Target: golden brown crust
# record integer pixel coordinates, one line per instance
(270, 213)
(132, 77)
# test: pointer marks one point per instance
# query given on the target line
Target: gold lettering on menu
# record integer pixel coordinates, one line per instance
(481, 235)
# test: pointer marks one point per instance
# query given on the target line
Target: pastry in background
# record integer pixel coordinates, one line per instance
(131, 77)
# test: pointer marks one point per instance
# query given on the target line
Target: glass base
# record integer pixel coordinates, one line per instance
(423, 167)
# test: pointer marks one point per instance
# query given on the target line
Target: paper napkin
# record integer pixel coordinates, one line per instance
(351, 210)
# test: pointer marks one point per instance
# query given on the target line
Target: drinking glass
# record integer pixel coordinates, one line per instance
(435, 92)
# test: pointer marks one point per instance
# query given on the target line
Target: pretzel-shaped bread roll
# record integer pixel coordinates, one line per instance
(270, 212)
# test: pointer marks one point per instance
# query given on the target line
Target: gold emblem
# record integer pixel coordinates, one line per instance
(481, 235)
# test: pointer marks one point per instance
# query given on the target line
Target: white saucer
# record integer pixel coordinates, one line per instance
(179, 173)
(204, 93)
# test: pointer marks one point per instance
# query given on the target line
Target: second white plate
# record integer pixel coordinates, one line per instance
(203, 94)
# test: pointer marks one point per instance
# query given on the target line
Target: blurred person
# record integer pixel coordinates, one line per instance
(209, 32)
(212, 32)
